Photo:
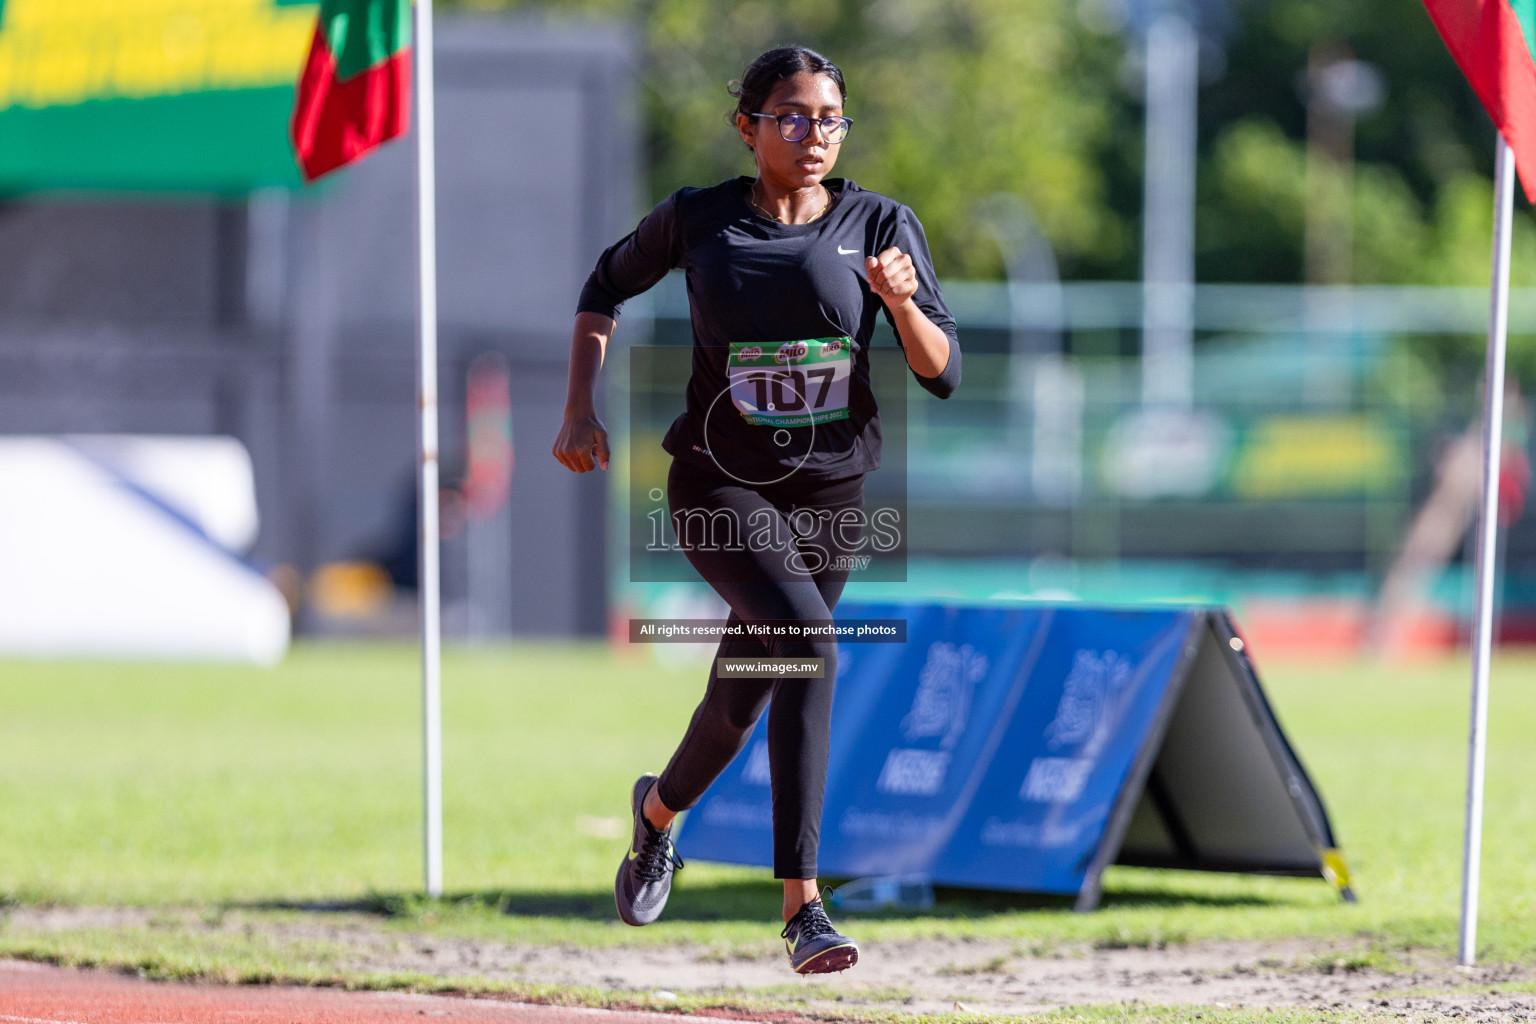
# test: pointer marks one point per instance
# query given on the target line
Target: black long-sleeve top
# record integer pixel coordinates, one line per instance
(762, 286)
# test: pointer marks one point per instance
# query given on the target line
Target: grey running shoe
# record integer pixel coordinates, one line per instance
(814, 946)
(645, 877)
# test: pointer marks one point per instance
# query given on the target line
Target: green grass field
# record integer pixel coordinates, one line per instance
(220, 788)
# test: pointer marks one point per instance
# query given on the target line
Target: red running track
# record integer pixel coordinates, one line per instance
(38, 994)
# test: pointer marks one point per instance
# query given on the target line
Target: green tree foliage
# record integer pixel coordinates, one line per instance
(953, 101)
(957, 100)
(1421, 207)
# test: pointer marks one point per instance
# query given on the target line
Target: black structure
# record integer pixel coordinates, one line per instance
(1217, 787)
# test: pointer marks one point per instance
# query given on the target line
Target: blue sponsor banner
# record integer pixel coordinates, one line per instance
(1044, 798)
(988, 750)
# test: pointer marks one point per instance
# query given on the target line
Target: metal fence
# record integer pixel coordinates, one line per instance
(1313, 430)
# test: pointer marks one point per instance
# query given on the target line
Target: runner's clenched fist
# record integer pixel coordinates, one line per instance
(891, 276)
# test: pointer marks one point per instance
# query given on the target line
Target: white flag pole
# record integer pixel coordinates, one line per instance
(428, 584)
(1168, 202)
(1487, 543)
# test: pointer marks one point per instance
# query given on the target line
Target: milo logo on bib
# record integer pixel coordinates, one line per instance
(807, 384)
(791, 352)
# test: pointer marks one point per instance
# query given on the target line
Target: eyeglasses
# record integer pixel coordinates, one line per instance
(795, 127)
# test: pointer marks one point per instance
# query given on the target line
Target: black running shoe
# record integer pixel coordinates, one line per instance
(645, 877)
(814, 946)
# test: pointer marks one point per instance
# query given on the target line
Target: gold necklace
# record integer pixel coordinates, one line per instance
(752, 198)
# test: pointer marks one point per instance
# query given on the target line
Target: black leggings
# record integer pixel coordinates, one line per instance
(742, 540)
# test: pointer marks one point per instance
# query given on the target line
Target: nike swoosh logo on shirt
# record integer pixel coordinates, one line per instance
(845, 252)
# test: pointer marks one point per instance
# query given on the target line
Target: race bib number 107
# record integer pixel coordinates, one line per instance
(791, 385)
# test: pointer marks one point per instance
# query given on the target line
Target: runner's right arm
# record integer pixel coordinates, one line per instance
(582, 439)
(625, 269)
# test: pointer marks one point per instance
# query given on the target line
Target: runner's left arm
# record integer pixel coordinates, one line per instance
(902, 276)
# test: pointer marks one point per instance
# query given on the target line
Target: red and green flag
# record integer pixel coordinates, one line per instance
(1491, 41)
(355, 91)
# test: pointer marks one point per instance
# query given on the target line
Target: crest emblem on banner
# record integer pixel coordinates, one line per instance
(942, 704)
(1086, 712)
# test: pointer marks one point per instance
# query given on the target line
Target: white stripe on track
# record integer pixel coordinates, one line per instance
(544, 1008)
(53, 1020)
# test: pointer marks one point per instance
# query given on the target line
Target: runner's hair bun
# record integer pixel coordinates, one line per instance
(769, 69)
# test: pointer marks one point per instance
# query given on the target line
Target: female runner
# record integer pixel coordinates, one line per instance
(786, 274)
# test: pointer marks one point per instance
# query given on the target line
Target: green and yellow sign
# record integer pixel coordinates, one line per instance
(173, 95)
(1318, 456)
